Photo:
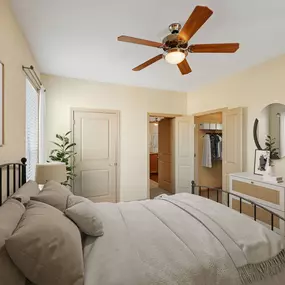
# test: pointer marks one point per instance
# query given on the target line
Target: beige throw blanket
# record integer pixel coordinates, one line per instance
(182, 239)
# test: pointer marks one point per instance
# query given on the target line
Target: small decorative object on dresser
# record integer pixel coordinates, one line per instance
(267, 193)
(1, 103)
(261, 161)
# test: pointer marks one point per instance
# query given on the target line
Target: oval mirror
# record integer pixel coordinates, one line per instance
(269, 130)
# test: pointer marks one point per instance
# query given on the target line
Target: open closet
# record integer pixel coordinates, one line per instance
(208, 149)
(218, 147)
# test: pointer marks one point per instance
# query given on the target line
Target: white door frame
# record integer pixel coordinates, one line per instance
(118, 145)
(172, 116)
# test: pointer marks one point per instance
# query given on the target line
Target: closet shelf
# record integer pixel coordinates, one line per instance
(211, 127)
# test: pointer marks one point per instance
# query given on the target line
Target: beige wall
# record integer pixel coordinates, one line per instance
(133, 103)
(14, 52)
(253, 89)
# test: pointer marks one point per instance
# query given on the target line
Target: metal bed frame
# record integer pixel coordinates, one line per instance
(18, 170)
(240, 198)
(15, 177)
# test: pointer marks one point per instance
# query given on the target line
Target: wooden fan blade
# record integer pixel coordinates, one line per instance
(149, 62)
(196, 20)
(139, 41)
(184, 67)
(215, 48)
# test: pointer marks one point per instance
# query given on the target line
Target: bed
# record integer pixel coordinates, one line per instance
(181, 239)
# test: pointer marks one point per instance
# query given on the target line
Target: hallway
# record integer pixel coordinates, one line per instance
(155, 190)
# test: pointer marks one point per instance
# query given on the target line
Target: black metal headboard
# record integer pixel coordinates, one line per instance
(14, 175)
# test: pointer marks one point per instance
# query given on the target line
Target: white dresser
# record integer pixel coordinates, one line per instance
(268, 194)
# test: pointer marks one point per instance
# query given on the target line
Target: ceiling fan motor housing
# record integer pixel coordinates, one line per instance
(173, 41)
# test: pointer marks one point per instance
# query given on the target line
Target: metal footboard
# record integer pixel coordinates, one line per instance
(255, 206)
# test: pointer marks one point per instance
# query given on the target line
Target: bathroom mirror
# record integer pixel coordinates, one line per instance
(269, 128)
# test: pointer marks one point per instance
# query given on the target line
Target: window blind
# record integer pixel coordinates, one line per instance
(32, 129)
(42, 119)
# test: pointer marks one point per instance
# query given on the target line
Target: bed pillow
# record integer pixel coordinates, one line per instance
(54, 194)
(46, 247)
(85, 215)
(10, 214)
(31, 188)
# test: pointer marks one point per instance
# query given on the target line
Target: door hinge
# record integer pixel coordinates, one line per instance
(73, 122)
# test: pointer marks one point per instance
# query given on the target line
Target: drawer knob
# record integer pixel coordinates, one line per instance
(252, 182)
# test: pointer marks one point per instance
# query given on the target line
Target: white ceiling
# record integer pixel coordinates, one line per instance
(77, 38)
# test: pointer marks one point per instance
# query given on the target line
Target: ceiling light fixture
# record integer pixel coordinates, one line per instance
(175, 56)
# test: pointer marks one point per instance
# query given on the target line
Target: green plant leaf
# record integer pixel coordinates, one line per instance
(53, 151)
(57, 144)
(70, 156)
(59, 137)
(69, 146)
(69, 132)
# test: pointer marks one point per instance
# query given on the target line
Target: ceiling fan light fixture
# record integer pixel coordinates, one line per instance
(175, 56)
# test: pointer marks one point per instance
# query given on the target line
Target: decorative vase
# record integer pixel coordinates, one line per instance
(270, 171)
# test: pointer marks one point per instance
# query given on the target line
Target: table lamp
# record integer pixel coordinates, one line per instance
(50, 171)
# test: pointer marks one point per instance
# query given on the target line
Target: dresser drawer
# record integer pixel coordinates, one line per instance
(264, 193)
(268, 195)
(255, 190)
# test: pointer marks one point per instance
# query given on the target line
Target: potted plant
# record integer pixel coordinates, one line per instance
(270, 146)
(64, 152)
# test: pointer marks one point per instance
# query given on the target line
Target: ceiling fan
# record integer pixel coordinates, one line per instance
(176, 46)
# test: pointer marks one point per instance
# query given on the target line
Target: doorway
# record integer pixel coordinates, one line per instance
(160, 153)
(96, 133)
(218, 145)
(208, 138)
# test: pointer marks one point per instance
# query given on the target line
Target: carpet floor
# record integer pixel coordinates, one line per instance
(154, 192)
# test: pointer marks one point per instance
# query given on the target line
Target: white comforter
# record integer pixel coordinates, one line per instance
(182, 239)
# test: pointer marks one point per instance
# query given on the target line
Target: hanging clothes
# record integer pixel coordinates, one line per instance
(212, 149)
(220, 147)
(207, 153)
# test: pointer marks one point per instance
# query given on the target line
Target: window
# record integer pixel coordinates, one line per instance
(32, 129)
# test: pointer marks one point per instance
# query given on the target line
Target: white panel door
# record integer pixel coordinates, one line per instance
(232, 144)
(96, 138)
(184, 153)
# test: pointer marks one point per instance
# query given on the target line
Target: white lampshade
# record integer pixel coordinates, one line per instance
(50, 171)
(175, 56)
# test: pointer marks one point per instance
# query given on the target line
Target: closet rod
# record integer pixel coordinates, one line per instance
(33, 77)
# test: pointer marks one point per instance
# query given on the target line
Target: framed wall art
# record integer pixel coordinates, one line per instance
(1, 103)
(261, 161)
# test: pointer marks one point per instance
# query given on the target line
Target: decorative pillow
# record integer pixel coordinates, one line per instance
(31, 188)
(54, 194)
(85, 215)
(10, 214)
(46, 247)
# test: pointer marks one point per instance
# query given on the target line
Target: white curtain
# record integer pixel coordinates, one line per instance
(42, 119)
(32, 129)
